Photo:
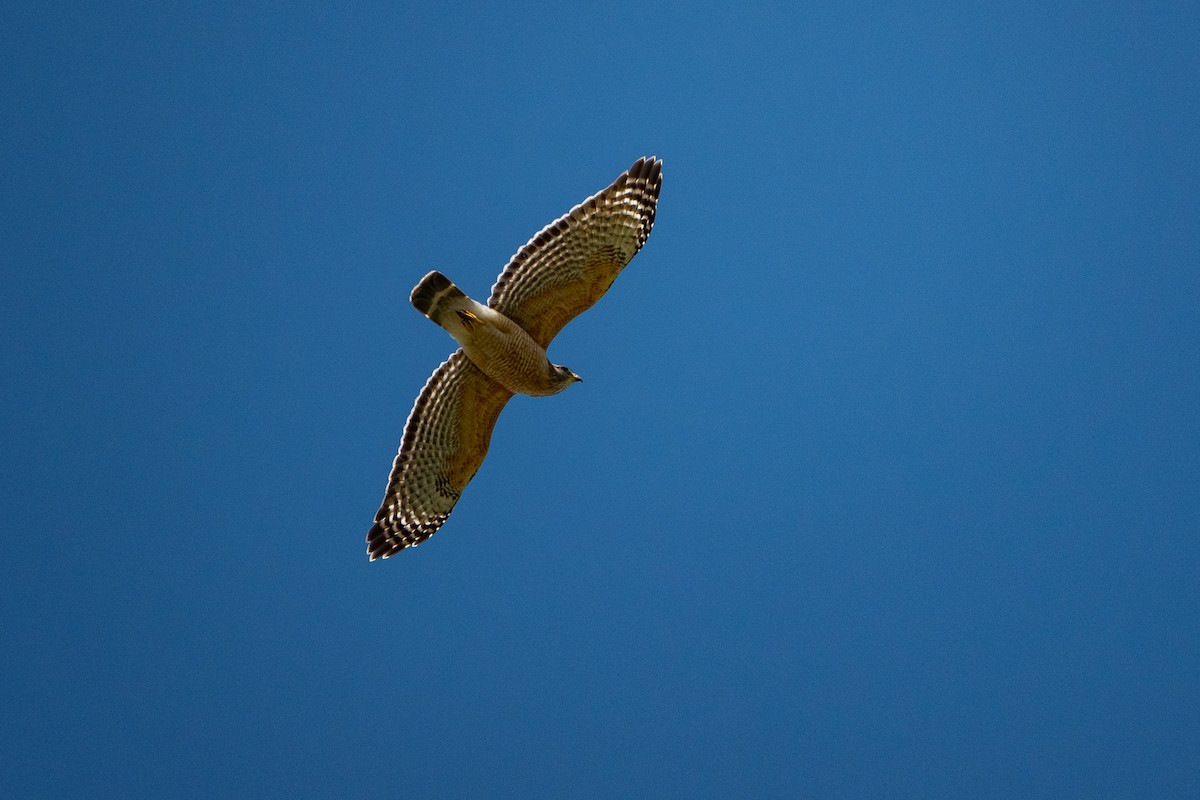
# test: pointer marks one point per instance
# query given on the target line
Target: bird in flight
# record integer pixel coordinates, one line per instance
(559, 273)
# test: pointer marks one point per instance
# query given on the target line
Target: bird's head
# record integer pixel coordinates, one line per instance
(561, 377)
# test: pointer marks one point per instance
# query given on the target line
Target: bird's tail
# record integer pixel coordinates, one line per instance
(437, 298)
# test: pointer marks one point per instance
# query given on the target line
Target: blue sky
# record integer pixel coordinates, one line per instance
(884, 479)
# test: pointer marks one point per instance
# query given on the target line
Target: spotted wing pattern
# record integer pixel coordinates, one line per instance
(563, 270)
(445, 439)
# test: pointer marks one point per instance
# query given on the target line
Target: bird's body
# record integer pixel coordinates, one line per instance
(558, 274)
(494, 343)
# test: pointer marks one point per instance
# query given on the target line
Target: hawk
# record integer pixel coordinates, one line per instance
(559, 273)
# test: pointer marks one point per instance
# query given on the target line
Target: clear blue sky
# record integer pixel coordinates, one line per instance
(884, 480)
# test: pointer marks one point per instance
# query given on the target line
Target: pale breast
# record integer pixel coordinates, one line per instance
(509, 356)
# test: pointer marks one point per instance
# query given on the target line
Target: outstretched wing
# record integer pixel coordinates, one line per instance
(569, 265)
(445, 439)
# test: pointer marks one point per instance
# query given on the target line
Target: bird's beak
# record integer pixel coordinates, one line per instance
(577, 378)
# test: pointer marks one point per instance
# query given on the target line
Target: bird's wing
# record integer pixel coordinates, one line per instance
(445, 439)
(570, 264)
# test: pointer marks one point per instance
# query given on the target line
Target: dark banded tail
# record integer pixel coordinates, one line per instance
(435, 295)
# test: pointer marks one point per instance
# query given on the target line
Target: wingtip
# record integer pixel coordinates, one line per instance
(647, 168)
(378, 546)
